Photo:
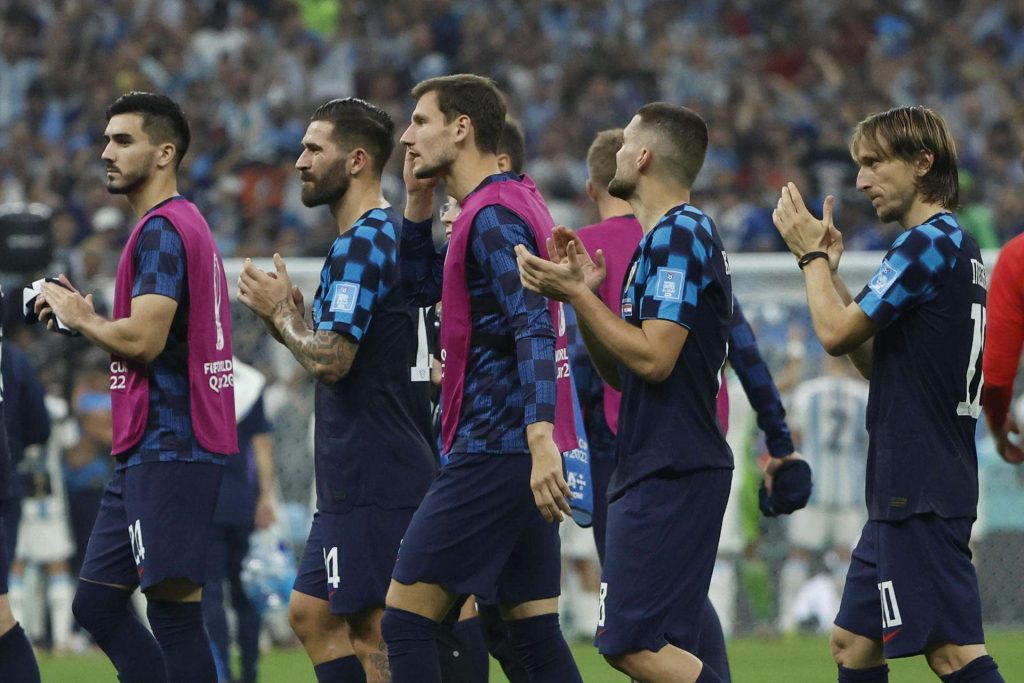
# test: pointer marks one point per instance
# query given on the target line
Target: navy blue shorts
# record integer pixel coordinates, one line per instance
(479, 531)
(153, 524)
(660, 551)
(349, 557)
(919, 571)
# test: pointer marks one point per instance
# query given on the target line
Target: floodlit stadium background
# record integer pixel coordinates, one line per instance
(781, 85)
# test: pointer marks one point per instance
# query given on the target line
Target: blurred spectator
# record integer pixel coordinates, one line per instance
(28, 424)
(87, 467)
(767, 80)
(45, 547)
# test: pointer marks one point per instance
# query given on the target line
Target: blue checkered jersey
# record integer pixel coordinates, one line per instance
(160, 269)
(678, 273)
(927, 299)
(746, 360)
(371, 442)
(505, 390)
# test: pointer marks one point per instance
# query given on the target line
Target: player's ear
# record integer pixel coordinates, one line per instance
(463, 126)
(924, 162)
(358, 160)
(165, 154)
(645, 160)
(591, 190)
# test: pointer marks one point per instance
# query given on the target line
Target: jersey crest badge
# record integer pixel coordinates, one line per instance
(343, 297)
(669, 285)
(883, 279)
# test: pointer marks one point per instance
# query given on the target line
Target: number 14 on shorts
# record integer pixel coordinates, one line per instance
(135, 537)
(331, 566)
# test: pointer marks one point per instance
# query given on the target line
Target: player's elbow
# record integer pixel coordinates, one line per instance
(146, 350)
(655, 370)
(837, 344)
(330, 374)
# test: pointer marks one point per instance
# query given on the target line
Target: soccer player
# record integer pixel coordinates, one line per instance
(617, 236)
(512, 147)
(486, 521)
(916, 331)
(672, 457)
(17, 660)
(1004, 337)
(172, 405)
(245, 503)
(829, 422)
(372, 454)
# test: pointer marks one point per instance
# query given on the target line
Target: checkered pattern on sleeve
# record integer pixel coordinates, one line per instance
(422, 265)
(159, 260)
(910, 272)
(675, 263)
(360, 269)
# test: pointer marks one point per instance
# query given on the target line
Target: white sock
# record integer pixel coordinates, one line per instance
(60, 591)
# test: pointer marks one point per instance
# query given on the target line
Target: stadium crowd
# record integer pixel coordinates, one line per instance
(780, 84)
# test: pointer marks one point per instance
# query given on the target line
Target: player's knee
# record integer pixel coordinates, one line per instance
(302, 620)
(95, 606)
(854, 651)
(629, 663)
(948, 657)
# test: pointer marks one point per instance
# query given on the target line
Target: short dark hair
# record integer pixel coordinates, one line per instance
(685, 137)
(904, 133)
(357, 123)
(162, 119)
(474, 96)
(601, 157)
(513, 143)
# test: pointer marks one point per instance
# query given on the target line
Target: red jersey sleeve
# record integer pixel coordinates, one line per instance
(1005, 331)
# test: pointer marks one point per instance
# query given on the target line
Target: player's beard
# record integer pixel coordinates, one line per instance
(129, 182)
(895, 212)
(622, 188)
(330, 189)
(440, 167)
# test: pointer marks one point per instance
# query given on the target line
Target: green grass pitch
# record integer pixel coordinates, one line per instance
(791, 660)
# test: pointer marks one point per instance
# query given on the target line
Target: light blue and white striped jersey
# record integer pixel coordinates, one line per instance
(829, 413)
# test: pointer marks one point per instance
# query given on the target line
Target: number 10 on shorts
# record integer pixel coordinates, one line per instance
(331, 565)
(890, 609)
(135, 536)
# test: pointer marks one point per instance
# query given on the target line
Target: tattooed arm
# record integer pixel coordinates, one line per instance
(324, 354)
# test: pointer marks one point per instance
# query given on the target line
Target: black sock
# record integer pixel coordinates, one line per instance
(496, 636)
(463, 652)
(875, 674)
(178, 627)
(104, 612)
(539, 643)
(412, 647)
(981, 670)
(17, 660)
(340, 670)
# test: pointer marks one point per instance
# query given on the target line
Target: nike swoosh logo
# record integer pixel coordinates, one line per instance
(889, 636)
